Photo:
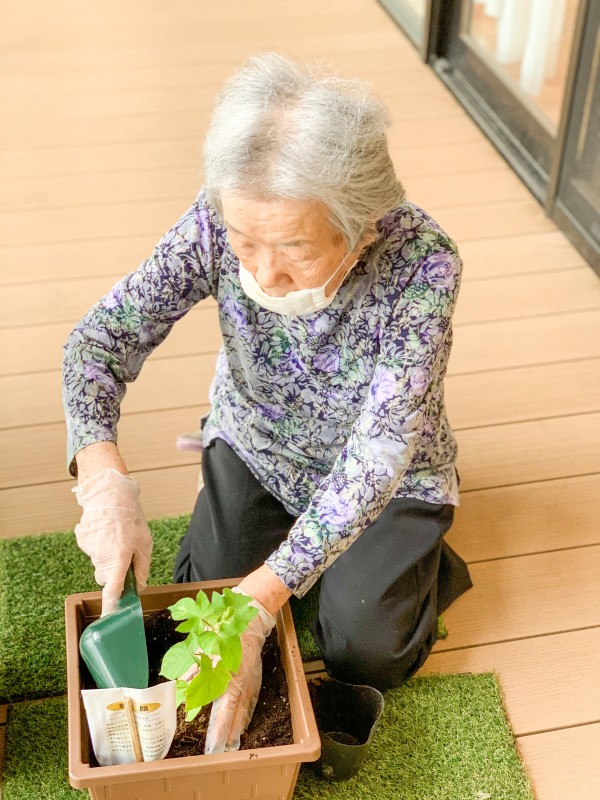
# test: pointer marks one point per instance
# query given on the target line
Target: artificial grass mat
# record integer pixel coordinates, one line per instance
(442, 737)
(38, 572)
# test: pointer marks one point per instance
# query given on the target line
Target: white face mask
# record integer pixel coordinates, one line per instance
(293, 304)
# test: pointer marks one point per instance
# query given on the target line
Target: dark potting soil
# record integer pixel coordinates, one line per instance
(271, 723)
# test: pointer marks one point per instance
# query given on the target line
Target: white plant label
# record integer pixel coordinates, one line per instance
(155, 714)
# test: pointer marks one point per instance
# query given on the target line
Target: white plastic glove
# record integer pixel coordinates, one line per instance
(232, 711)
(113, 532)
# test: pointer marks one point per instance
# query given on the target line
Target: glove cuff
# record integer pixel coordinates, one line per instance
(109, 488)
(266, 619)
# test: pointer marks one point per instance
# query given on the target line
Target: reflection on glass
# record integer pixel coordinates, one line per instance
(411, 15)
(529, 43)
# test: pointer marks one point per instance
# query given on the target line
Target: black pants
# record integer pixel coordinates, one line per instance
(379, 601)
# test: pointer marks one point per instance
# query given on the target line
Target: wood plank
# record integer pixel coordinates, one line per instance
(51, 506)
(77, 191)
(74, 131)
(57, 59)
(488, 186)
(153, 31)
(39, 394)
(528, 295)
(495, 398)
(451, 160)
(479, 301)
(532, 595)
(33, 193)
(523, 452)
(529, 518)
(146, 441)
(201, 88)
(525, 342)
(180, 383)
(187, 152)
(484, 220)
(39, 348)
(411, 133)
(110, 257)
(60, 301)
(517, 255)
(18, 133)
(150, 99)
(118, 219)
(489, 524)
(115, 257)
(114, 156)
(138, 218)
(421, 106)
(563, 763)
(424, 104)
(31, 398)
(547, 681)
(132, 75)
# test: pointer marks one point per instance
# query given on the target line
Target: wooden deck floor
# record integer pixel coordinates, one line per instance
(104, 110)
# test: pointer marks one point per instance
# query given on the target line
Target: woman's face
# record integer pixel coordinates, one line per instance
(285, 244)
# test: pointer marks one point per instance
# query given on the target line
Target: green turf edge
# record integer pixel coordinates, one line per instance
(38, 572)
(442, 737)
(35, 760)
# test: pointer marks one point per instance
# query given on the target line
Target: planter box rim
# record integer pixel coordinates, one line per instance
(307, 744)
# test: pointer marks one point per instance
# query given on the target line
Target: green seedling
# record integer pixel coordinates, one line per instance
(213, 642)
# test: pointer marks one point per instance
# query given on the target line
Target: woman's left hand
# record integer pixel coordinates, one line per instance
(232, 711)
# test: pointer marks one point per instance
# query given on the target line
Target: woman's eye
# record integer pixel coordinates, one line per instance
(300, 258)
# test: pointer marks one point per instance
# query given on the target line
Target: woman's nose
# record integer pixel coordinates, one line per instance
(269, 273)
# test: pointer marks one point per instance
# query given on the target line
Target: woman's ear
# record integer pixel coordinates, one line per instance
(368, 237)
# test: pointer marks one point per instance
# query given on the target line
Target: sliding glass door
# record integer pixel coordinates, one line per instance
(528, 71)
(413, 17)
(578, 191)
(509, 61)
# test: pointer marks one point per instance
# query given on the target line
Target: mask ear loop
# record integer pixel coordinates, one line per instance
(332, 276)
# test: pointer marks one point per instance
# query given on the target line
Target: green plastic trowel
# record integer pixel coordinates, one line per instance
(114, 647)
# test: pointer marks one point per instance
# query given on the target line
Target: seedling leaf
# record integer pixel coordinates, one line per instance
(184, 608)
(231, 652)
(208, 684)
(214, 628)
(177, 660)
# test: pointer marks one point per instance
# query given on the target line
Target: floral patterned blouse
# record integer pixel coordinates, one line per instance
(335, 413)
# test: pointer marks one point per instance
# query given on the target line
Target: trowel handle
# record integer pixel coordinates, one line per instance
(130, 587)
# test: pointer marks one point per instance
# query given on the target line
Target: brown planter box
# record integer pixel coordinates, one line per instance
(268, 773)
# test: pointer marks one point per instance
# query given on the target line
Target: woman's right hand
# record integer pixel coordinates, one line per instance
(113, 532)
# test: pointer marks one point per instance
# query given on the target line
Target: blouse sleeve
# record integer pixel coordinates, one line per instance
(415, 347)
(108, 347)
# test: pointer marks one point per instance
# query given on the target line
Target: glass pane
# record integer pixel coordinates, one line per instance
(528, 44)
(579, 189)
(411, 15)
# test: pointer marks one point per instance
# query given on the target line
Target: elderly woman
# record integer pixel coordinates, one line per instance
(327, 451)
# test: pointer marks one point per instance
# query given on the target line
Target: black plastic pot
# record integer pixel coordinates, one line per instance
(347, 717)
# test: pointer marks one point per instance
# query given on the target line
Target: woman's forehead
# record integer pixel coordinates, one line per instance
(279, 221)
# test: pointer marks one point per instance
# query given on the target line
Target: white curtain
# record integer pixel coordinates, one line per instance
(528, 32)
(541, 50)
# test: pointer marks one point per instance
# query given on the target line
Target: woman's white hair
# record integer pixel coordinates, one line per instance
(285, 130)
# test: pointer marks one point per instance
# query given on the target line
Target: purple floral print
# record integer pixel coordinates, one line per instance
(335, 413)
